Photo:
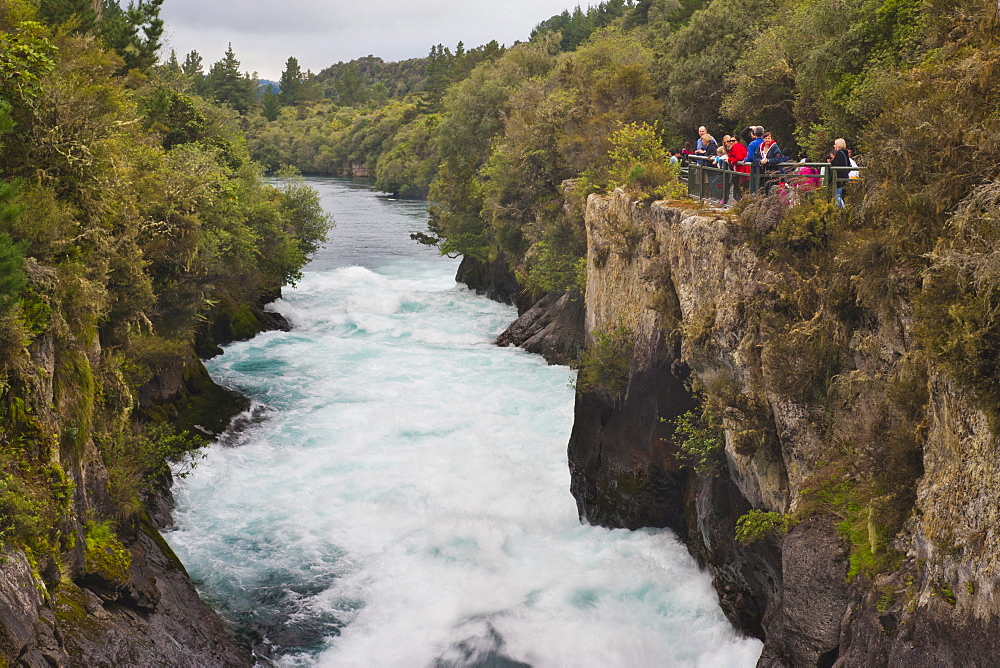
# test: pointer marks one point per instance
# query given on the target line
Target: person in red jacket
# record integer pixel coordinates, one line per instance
(737, 162)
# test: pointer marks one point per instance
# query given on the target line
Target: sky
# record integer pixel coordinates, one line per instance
(320, 33)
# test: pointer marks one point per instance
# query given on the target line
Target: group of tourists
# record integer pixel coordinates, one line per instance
(758, 158)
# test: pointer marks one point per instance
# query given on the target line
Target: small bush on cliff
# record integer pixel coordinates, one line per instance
(142, 456)
(655, 180)
(779, 227)
(12, 278)
(758, 524)
(20, 514)
(104, 554)
(604, 366)
(701, 441)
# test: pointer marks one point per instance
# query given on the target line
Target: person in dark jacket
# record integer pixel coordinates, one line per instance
(711, 147)
(840, 176)
(768, 159)
(758, 138)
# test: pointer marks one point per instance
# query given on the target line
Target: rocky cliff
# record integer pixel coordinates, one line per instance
(85, 577)
(875, 482)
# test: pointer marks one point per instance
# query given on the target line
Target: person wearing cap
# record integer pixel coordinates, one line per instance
(737, 155)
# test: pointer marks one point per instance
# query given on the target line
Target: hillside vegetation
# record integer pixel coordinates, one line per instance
(133, 224)
(491, 134)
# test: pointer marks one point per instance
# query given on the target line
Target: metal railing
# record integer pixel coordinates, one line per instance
(708, 182)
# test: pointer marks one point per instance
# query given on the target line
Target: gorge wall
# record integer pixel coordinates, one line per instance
(101, 587)
(881, 479)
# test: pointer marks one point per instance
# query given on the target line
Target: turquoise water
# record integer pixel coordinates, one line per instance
(399, 495)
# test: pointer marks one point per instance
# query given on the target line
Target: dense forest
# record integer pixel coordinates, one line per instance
(135, 233)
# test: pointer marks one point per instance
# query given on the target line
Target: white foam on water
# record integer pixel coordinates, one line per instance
(406, 500)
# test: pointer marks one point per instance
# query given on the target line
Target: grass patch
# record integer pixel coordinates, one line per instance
(104, 555)
(759, 524)
(604, 365)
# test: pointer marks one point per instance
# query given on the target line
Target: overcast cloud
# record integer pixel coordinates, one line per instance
(320, 33)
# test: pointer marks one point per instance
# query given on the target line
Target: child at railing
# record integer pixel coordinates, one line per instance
(807, 178)
(718, 181)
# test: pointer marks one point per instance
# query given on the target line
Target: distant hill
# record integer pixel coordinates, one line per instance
(399, 78)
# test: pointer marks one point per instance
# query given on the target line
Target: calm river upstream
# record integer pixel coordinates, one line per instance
(400, 496)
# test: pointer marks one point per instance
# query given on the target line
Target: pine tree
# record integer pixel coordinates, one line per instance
(270, 105)
(225, 84)
(350, 87)
(439, 63)
(192, 69)
(134, 33)
(291, 82)
(192, 64)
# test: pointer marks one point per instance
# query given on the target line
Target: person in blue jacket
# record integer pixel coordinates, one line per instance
(758, 133)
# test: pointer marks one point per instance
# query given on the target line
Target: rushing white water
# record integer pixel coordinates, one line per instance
(401, 497)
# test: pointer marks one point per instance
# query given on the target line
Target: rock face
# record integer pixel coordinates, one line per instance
(154, 618)
(97, 595)
(493, 279)
(893, 563)
(815, 596)
(168, 625)
(552, 327)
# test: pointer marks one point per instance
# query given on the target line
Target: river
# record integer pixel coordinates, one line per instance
(399, 495)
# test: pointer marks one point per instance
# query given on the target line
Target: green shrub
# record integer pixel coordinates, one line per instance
(779, 227)
(12, 277)
(555, 268)
(104, 554)
(632, 144)
(21, 516)
(701, 441)
(641, 164)
(138, 459)
(758, 524)
(149, 354)
(604, 366)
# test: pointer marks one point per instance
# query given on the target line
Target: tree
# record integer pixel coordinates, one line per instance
(439, 63)
(55, 12)
(193, 64)
(193, 70)
(225, 84)
(270, 105)
(134, 33)
(172, 68)
(291, 82)
(350, 87)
